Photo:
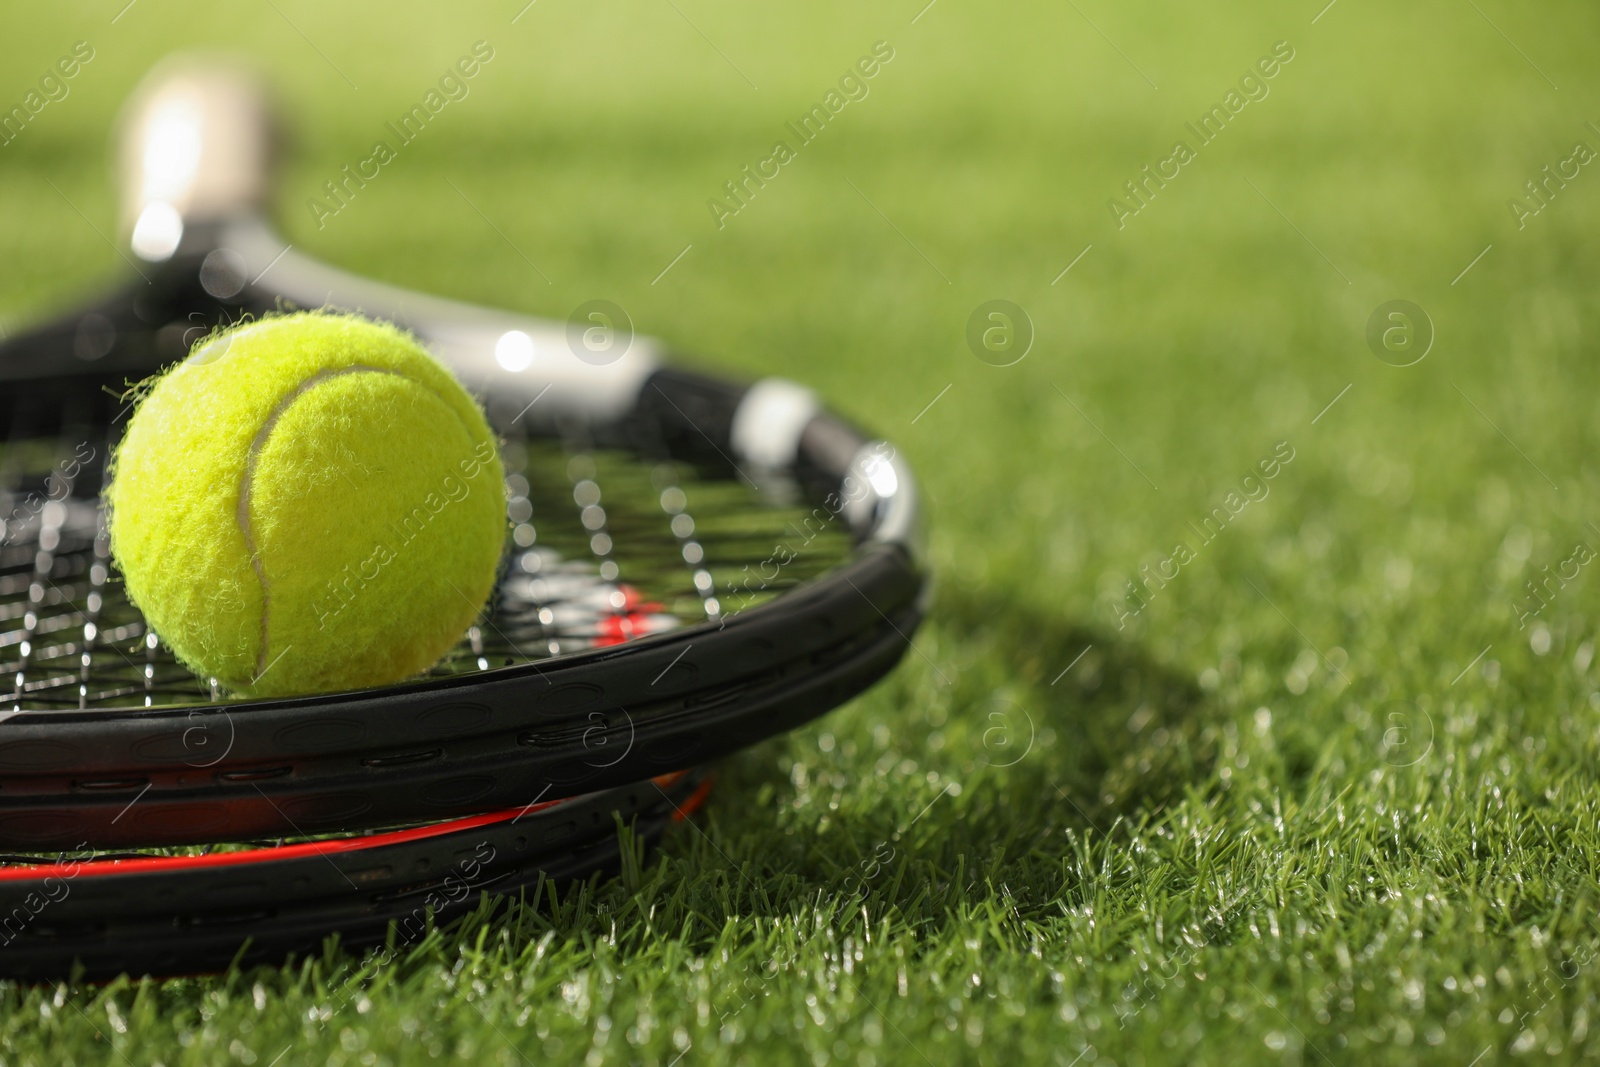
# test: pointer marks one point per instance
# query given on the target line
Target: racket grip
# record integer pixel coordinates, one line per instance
(196, 143)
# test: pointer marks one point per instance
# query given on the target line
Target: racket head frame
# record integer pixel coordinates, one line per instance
(493, 739)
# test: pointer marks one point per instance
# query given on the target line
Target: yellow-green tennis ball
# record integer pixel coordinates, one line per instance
(308, 503)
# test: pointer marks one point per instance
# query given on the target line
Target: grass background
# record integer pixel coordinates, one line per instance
(1322, 801)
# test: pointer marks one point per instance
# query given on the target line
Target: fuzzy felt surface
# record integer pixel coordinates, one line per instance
(308, 503)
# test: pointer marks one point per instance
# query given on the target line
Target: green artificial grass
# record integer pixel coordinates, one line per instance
(1329, 796)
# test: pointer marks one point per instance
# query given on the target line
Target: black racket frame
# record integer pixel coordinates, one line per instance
(97, 918)
(441, 748)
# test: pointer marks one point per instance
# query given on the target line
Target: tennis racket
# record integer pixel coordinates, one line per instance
(693, 565)
(186, 911)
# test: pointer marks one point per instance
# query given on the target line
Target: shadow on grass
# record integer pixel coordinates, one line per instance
(1055, 733)
(834, 824)
(1121, 733)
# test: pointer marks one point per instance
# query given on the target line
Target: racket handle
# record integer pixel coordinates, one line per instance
(196, 143)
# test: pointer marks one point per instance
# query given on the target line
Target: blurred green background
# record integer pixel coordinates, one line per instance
(1322, 800)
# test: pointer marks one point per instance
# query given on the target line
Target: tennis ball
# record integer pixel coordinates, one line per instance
(308, 503)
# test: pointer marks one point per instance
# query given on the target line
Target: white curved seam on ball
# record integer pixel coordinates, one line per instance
(260, 441)
(247, 484)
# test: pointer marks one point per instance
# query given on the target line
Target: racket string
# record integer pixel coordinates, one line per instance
(586, 496)
(623, 614)
(51, 516)
(574, 598)
(604, 547)
(524, 535)
(674, 502)
(57, 581)
(99, 571)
